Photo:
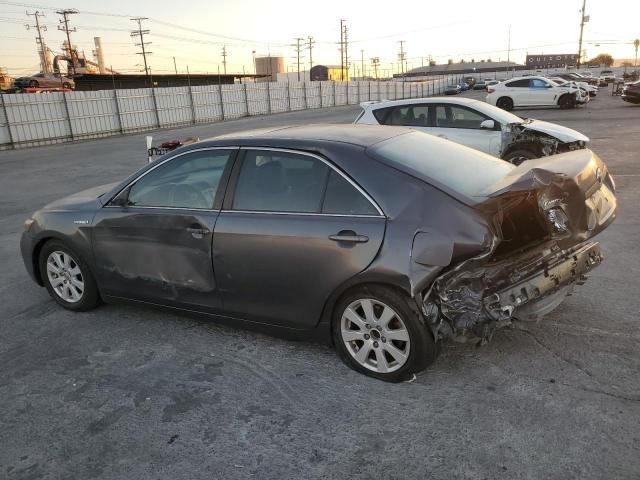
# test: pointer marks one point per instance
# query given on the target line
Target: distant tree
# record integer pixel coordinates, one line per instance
(489, 59)
(462, 60)
(473, 60)
(432, 63)
(450, 61)
(602, 59)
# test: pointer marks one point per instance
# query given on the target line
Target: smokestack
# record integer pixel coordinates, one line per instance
(100, 55)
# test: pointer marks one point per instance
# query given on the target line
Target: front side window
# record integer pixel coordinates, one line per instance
(274, 181)
(454, 116)
(188, 181)
(537, 83)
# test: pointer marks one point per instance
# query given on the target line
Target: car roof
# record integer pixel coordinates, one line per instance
(411, 101)
(360, 135)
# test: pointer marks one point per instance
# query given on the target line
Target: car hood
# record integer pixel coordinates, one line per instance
(563, 134)
(85, 199)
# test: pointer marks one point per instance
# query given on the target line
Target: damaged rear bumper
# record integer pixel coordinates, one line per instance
(566, 268)
(475, 300)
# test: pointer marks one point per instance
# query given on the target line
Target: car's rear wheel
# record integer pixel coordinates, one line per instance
(567, 101)
(378, 333)
(66, 85)
(33, 83)
(67, 277)
(505, 103)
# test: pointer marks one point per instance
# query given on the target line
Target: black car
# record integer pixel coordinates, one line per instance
(383, 239)
(631, 92)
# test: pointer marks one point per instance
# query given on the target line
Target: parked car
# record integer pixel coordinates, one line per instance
(582, 95)
(45, 80)
(375, 237)
(481, 85)
(452, 90)
(606, 76)
(490, 83)
(631, 92)
(463, 86)
(470, 81)
(475, 124)
(583, 83)
(531, 92)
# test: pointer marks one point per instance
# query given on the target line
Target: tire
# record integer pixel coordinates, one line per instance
(505, 103)
(359, 323)
(567, 102)
(66, 85)
(58, 267)
(522, 153)
(33, 83)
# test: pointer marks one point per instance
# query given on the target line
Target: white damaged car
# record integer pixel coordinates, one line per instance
(475, 124)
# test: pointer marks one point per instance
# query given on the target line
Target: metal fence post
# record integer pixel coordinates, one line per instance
(246, 98)
(6, 116)
(221, 99)
(66, 108)
(268, 98)
(117, 100)
(334, 93)
(347, 93)
(304, 95)
(191, 101)
(288, 96)
(369, 96)
(320, 90)
(359, 94)
(155, 105)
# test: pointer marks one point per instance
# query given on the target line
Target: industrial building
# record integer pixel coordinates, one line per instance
(268, 68)
(462, 68)
(329, 72)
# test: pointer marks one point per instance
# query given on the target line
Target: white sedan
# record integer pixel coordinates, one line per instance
(532, 92)
(475, 124)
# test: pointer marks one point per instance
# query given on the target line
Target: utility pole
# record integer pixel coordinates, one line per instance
(64, 27)
(42, 48)
(298, 48)
(310, 43)
(583, 19)
(362, 62)
(341, 49)
(402, 56)
(636, 44)
(175, 67)
(140, 33)
(224, 59)
(346, 51)
(375, 63)
(509, 46)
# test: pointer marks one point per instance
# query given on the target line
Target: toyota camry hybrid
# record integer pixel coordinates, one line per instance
(384, 240)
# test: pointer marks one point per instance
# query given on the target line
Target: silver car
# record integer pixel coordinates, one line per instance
(45, 80)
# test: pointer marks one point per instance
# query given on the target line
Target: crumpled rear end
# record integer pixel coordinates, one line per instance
(542, 216)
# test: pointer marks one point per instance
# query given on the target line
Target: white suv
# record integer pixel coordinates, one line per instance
(532, 92)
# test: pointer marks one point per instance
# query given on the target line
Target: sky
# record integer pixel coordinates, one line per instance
(195, 31)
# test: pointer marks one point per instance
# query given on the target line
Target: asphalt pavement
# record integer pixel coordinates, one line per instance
(128, 392)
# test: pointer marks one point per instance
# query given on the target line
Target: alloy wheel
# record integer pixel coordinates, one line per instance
(65, 276)
(375, 335)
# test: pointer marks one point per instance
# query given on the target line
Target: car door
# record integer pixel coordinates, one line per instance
(152, 242)
(518, 91)
(461, 124)
(411, 115)
(293, 228)
(542, 92)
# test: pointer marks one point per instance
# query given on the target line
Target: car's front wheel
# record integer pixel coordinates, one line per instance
(33, 83)
(67, 277)
(377, 332)
(520, 154)
(567, 101)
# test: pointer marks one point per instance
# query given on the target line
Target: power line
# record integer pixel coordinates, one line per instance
(583, 20)
(140, 33)
(224, 58)
(311, 42)
(402, 56)
(298, 49)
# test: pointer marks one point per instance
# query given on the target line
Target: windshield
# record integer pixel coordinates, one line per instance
(443, 164)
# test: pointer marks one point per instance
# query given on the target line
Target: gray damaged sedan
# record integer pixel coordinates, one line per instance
(385, 240)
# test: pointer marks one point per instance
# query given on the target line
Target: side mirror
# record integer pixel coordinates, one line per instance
(548, 86)
(122, 199)
(488, 125)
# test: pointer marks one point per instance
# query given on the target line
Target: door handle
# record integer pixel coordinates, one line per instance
(197, 231)
(349, 237)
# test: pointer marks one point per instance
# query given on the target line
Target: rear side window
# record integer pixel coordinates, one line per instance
(524, 83)
(537, 83)
(273, 181)
(407, 116)
(342, 198)
(381, 115)
(455, 116)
